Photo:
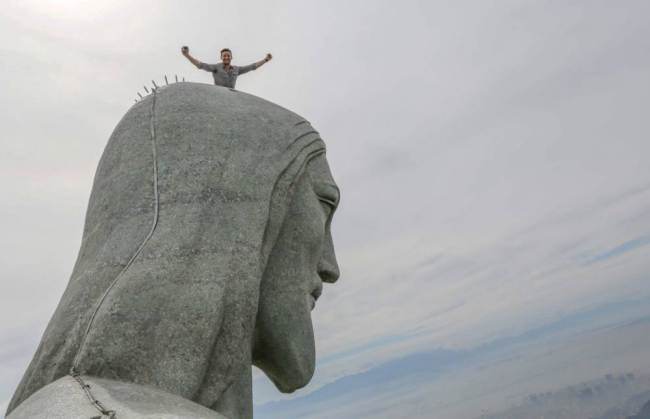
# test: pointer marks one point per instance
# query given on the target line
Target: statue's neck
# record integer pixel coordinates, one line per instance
(236, 402)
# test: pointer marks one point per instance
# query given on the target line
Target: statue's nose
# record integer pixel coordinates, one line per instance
(328, 272)
(328, 267)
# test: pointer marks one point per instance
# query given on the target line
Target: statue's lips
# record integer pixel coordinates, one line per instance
(315, 294)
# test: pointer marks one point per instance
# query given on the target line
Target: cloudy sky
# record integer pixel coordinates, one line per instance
(492, 157)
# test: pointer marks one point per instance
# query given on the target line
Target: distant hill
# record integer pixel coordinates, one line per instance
(614, 396)
(644, 413)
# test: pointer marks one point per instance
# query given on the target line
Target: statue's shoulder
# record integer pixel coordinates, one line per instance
(65, 399)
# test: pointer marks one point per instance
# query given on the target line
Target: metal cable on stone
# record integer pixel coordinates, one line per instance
(96, 403)
(75, 364)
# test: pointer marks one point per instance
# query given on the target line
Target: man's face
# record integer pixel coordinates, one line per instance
(226, 56)
(301, 260)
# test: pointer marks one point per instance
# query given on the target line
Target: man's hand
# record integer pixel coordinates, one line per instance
(264, 61)
(185, 50)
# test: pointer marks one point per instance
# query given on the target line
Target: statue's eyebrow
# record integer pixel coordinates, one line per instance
(328, 192)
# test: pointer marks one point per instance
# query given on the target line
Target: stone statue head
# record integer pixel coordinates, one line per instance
(205, 247)
(301, 260)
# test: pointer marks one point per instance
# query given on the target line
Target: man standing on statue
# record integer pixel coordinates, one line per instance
(224, 73)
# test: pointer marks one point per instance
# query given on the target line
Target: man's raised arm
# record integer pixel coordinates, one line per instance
(264, 61)
(186, 52)
(255, 66)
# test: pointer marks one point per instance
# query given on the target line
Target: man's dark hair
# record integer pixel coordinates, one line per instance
(225, 50)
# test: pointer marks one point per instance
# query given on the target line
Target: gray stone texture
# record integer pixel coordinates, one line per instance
(64, 399)
(204, 248)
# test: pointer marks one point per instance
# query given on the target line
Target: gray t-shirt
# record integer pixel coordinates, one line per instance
(223, 77)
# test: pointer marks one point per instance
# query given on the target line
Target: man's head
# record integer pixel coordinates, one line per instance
(226, 55)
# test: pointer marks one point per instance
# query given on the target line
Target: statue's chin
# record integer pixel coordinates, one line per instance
(290, 374)
(292, 383)
(288, 361)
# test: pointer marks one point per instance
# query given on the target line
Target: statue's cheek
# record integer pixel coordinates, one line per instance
(311, 232)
